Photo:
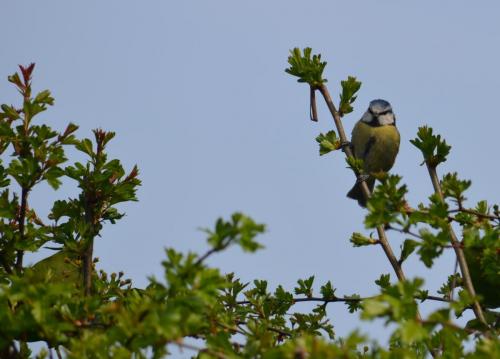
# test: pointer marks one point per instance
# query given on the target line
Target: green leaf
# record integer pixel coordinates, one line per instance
(305, 287)
(432, 245)
(355, 164)
(308, 69)
(411, 332)
(353, 305)
(44, 97)
(10, 112)
(373, 308)
(349, 89)
(454, 188)
(327, 142)
(52, 176)
(384, 281)
(387, 203)
(432, 147)
(327, 291)
(409, 246)
(85, 146)
(359, 240)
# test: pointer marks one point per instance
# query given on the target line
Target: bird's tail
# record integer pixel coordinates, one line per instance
(357, 194)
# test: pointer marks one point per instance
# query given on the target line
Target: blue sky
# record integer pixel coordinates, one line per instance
(197, 94)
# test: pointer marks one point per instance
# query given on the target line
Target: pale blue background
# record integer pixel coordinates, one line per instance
(198, 96)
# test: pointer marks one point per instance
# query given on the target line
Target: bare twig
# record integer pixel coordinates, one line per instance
(404, 231)
(469, 286)
(313, 108)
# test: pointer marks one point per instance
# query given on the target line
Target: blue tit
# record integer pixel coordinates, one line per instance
(375, 140)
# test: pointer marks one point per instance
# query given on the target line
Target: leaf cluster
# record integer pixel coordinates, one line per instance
(307, 68)
(434, 149)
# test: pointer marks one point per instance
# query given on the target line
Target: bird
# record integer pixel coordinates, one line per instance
(375, 140)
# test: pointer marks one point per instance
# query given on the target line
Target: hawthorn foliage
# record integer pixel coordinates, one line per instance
(78, 311)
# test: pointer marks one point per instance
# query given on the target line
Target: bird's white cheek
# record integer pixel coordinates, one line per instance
(387, 119)
(367, 117)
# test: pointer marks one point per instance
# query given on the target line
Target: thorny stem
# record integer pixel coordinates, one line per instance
(364, 187)
(469, 286)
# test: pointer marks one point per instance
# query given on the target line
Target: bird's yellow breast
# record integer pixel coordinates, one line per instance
(377, 146)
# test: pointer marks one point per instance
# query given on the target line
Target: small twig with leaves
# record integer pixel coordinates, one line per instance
(435, 150)
(310, 70)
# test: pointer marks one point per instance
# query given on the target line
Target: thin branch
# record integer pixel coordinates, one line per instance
(88, 251)
(464, 268)
(280, 332)
(272, 329)
(235, 330)
(313, 108)
(212, 251)
(206, 255)
(475, 213)
(21, 222)
(344, 299)
(404, 231)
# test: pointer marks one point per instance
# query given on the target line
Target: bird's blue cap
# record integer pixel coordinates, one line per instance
(379, 106)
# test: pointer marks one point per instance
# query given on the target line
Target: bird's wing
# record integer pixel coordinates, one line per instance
(368, 147)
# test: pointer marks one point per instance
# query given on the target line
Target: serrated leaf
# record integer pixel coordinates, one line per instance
(409, 246)
(327, 142)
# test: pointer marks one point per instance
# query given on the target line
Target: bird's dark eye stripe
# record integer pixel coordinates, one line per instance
(379, 114)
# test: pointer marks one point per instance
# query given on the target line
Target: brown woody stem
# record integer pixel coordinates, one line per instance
(464, 268)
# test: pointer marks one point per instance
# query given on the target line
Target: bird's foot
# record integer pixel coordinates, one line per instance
(345, 144)
(362, 178)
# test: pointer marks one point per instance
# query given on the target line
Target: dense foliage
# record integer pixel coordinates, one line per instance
(78, 311)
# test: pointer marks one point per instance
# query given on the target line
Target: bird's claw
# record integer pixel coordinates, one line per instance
(362, 178)
(345, 144)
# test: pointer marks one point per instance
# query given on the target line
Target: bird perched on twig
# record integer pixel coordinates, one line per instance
(375, 140)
